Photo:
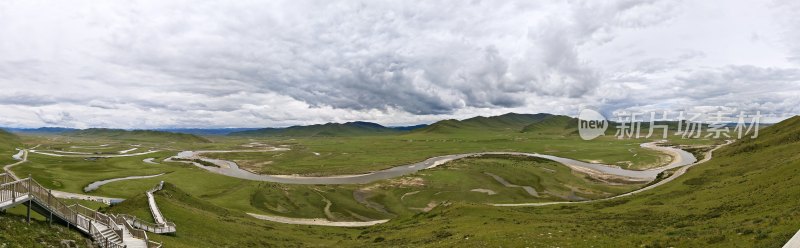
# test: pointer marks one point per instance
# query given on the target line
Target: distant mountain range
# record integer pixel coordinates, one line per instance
(205, 131)
(555, 124)
(542, 123)
(137, 135)
(508, 122)
(195, 131)
(356, 128)
(41, 130)
(512, 122)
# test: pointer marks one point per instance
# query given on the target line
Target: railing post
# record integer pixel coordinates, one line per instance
(28, 214)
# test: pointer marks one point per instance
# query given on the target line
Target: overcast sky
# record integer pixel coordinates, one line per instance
(148, 64)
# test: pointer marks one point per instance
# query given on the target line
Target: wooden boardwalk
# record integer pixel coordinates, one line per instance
(115, 231)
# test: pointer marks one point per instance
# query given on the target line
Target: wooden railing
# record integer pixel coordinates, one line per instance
(6, 178)
(79, 216)
(169, 227)
(135, 232)
(157, 215)
(76, 215)
(102, 240)
(10, 191)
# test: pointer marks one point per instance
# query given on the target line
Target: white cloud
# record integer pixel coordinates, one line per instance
(137, 64)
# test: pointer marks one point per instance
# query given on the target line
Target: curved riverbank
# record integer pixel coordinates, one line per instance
(94, 185)
(677, 174)
(229, 168)
(61, 194)
(19, 155)
(86, 155)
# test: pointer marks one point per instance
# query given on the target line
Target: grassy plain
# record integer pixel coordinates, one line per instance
(209, 208)
(355, 155)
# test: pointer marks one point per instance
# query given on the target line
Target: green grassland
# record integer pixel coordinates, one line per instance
(341, 155)
(138, 135)
(348, 129)
(744, 197)
(16, 233)
(457, 180)
(355, 155)
(8, 144)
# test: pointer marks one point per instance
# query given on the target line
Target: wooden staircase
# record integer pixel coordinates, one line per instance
(162, 225)
(108, 231)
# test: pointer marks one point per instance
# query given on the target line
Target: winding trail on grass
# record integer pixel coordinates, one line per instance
(94, 185)
(229, 168)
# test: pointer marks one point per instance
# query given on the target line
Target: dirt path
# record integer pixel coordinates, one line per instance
(531, 191)
(150, 160)
(316, 221)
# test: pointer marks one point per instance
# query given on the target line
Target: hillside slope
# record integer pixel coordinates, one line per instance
(358, 128)
(508, 122)
(202, 224)
(8, 145)
(15, 232)
(138, 135)
(556, 124)
(745, 197)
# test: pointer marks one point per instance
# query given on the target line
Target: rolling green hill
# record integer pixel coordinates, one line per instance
(138, 135)
(358, 128)
(203, 224)
(8, 144)
(565, 125)
(15, 232)
(507, 122)
(744, 197)
(556, 124)
(8, 139)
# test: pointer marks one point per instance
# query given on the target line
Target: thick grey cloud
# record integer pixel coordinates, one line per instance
(276, 63)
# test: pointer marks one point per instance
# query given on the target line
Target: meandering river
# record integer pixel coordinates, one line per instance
(229, 168)
(97, 184)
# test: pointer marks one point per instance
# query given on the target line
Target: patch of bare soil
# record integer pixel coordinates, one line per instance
(486, 191)
(253, 166)
(606, 178)
(427, 208)
(362, 196)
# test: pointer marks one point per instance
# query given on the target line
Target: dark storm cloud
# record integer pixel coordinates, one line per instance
(378, 55)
